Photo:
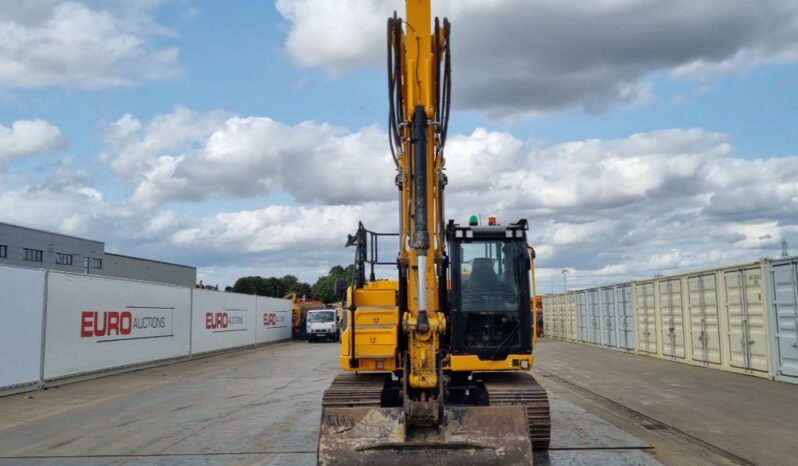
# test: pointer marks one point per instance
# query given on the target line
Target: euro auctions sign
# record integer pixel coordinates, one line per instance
(228, 320)
(132, 323)
(272, 319)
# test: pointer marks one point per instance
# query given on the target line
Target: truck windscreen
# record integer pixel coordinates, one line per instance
(320, 317)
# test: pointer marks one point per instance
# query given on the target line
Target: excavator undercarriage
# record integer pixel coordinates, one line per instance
(500, 415)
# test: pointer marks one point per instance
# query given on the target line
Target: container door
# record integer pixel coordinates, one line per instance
(670, 298)
(785, 304)
(548, 311)
(602, 317)
(745, 310)
(646, 315)
(595, 317)
(703, 306)
(555, 305)
(626, 328)
(572, 315)
(581, 310)
(588, 317)
(609, 327)
(558, 317)
(566, 312)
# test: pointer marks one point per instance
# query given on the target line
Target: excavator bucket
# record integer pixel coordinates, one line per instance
(470, 435)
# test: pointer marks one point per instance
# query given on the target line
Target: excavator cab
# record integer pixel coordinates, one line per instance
(490, 313)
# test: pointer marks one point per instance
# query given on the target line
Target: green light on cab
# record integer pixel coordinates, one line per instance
(473, 221)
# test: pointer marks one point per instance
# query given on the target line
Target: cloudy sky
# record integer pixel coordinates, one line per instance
(637, 136)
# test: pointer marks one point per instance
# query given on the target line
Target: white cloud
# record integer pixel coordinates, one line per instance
(69, 43)
(186, 155)
(133, 149)
(666, 198)
(514, 57)
(349, 43)
(607, 210)
(28, 137)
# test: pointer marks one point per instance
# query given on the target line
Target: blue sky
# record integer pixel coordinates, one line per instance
(302, 60)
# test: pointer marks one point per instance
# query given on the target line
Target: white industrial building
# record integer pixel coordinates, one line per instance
(29, 247)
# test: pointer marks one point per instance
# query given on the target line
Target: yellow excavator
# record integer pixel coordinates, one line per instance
(436, 362)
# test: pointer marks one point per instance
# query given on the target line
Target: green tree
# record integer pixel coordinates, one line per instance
(324, 288)
(270, 286)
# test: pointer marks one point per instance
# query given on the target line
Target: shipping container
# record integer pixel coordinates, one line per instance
(547, 315)
(645, 311)
(550, 309)
(741, 318)
(594, 313)
(671, 317)
(557, 316)
(603, 316)
(609, 331)
(747, 318)
(626, 317)
(783, 293)
(582, 333)
(570, 313)
(714, 318)
(702, 303)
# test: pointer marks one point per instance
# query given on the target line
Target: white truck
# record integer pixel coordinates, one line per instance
(322, 324)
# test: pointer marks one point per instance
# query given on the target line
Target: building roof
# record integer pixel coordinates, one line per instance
(149, 260)
(50, 233)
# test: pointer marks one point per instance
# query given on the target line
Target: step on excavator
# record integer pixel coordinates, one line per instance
(436, 363)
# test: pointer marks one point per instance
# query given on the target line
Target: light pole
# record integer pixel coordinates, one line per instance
(564, 279)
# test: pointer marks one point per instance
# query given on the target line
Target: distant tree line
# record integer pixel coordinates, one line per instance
(323, 289)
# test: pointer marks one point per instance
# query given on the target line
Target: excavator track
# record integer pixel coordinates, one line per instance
(355, 390)
(519, 388)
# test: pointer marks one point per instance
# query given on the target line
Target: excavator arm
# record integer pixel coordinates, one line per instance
(419, 123)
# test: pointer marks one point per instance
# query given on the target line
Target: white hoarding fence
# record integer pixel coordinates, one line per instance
(221, 320)
(274, 319)
(92, 323)
(21, 310)
(96, 323)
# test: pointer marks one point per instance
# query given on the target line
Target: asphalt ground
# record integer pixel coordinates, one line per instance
(754, 420)
(261, 406)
